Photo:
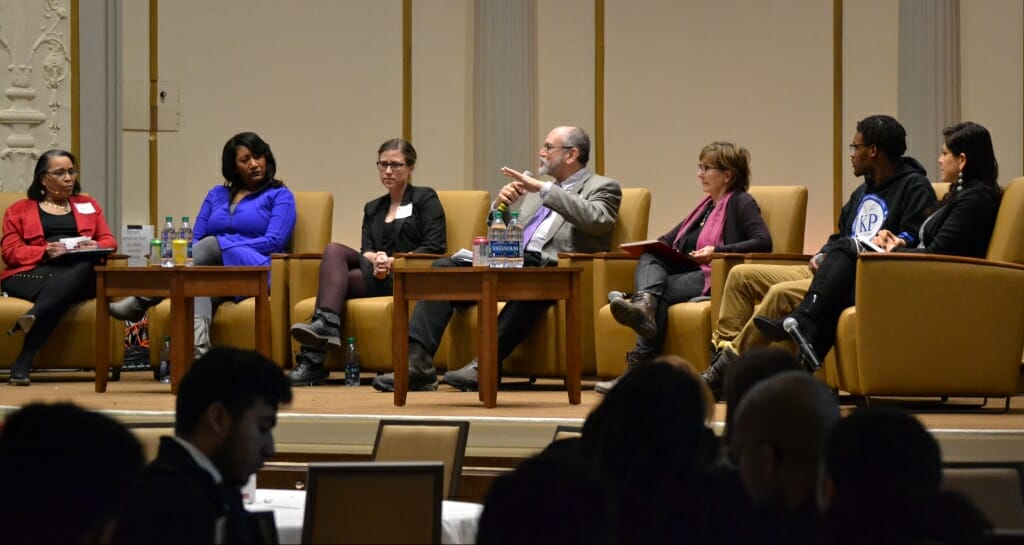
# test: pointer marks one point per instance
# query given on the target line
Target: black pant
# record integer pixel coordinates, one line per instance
(430, 318)
(832, 291)
(53, 289)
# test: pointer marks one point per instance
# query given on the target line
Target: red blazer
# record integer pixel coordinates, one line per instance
(24, 245)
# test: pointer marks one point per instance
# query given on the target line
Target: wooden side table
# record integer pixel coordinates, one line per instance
(181, 285)
(486, 287)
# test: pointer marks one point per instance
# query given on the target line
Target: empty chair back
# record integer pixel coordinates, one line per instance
(1005, 244)
(314, 217)
(784, 209)
(373, 502)
(996, 490)
(634, 213)
(425, 440)
(465, 213)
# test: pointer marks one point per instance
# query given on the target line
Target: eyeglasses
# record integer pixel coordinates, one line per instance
(548, 147)
(701, 169)
(853, 147)
(71, 173)
(393, 165)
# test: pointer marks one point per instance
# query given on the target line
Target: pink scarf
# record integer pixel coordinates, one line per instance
(710, 234)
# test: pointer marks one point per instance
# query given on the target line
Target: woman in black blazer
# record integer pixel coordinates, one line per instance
(406, 219)
(960, 224)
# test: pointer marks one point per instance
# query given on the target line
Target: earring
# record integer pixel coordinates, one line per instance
(959, 180)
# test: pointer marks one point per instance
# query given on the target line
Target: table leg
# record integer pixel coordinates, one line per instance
(182, 335)
(263, 320)
(102, 346)
(487, 353)
(400, 340)
(573, 351)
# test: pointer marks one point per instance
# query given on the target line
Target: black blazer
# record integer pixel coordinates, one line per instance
(964, 224)
(422, 232)
(178, 502)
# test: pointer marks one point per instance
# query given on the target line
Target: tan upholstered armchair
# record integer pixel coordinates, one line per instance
(929, 325)
(233, 322)
(370, 319)
(71, 346)
(784, 209)
(542, 354)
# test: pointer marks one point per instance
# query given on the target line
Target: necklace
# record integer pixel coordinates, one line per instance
(707, 213)
(66, 207)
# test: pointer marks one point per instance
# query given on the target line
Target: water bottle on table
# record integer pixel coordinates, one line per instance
(185, 233)
(515, 242)
(352, 364)
(168, 234)
(497, 237)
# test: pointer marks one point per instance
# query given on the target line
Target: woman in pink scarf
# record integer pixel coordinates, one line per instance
(728, 220)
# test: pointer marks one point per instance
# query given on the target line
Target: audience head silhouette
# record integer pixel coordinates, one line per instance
(882, 464)
(556, 496)
(778, 438)
(649, 439)
(48, 499)
(751, 367)
(227, 408)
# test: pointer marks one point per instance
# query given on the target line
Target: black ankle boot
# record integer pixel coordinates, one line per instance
(714, 375)
(309, 368)
(422, 373)
(19, 374)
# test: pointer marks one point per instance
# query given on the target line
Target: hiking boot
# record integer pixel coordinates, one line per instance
(309, 369)
(638, 313)
(714, 375)
(324, 330)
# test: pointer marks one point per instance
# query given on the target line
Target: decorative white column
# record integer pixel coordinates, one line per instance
(929, 76)
(504, 90)
(36, 45)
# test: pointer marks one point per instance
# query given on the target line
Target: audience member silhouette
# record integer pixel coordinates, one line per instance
(779, 435)
(649, 439)
(752, 367)
(223, 432)
(69, 471)
(883, 478)
(556, 496)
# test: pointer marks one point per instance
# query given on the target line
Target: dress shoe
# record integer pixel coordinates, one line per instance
(633, 358)
(466, 379)
(422, 374)
(132, 309)
(24, 323)
(771, 329)
(309, 369)
(19, 375)
(323, 330)
(636, 313)
(714, 375)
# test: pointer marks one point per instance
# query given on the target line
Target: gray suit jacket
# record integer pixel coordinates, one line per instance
(586, 216)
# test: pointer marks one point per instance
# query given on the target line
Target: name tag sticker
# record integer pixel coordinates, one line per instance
(404, 211)
(85, 208)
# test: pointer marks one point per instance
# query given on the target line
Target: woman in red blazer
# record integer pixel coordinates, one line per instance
(40, 267)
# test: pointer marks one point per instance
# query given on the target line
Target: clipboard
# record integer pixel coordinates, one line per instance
(660, 250)
(90, 254)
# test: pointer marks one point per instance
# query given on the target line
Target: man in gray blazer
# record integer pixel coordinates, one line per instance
(575, 213)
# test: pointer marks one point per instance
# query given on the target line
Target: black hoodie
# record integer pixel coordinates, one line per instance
(898, 206)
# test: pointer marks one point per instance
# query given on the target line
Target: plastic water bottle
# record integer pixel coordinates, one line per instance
(496, 237)
(352, 364)
(168, 234)
(163, 372)
(515, 242)
(185, 232)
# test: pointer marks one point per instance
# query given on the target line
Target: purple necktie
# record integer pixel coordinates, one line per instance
(535, 221)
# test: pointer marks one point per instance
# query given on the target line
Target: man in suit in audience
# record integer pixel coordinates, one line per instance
(225, 414)
(895, 195)
(778, 441)
(575, 213)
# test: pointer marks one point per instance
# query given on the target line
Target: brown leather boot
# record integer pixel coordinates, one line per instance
(637, 313)
(634, 358)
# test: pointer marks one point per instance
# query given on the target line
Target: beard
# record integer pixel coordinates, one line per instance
(545, 168)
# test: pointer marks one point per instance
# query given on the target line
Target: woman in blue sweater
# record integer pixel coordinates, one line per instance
(240, 223)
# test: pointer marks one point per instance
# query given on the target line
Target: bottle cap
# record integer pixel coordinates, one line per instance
(184, 219)
(169, 219)
(351, 340)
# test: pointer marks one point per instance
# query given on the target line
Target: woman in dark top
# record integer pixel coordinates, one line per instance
(960, 224)
(40, 266)
(727, 220)
(407, 219)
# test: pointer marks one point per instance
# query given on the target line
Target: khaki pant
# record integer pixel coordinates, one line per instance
(765, 290)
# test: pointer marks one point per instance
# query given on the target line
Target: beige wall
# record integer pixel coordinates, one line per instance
(321, 81)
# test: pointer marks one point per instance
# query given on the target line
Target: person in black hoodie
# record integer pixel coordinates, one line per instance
(225, 415)
(961, 224)
(894, 197)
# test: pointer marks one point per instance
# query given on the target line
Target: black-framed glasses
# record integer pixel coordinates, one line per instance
(393, 165)
(702, 169)
(71, 173)
(548, 147)
(854, 146)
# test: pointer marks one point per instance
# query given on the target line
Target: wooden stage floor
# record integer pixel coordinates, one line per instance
(336, 419)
